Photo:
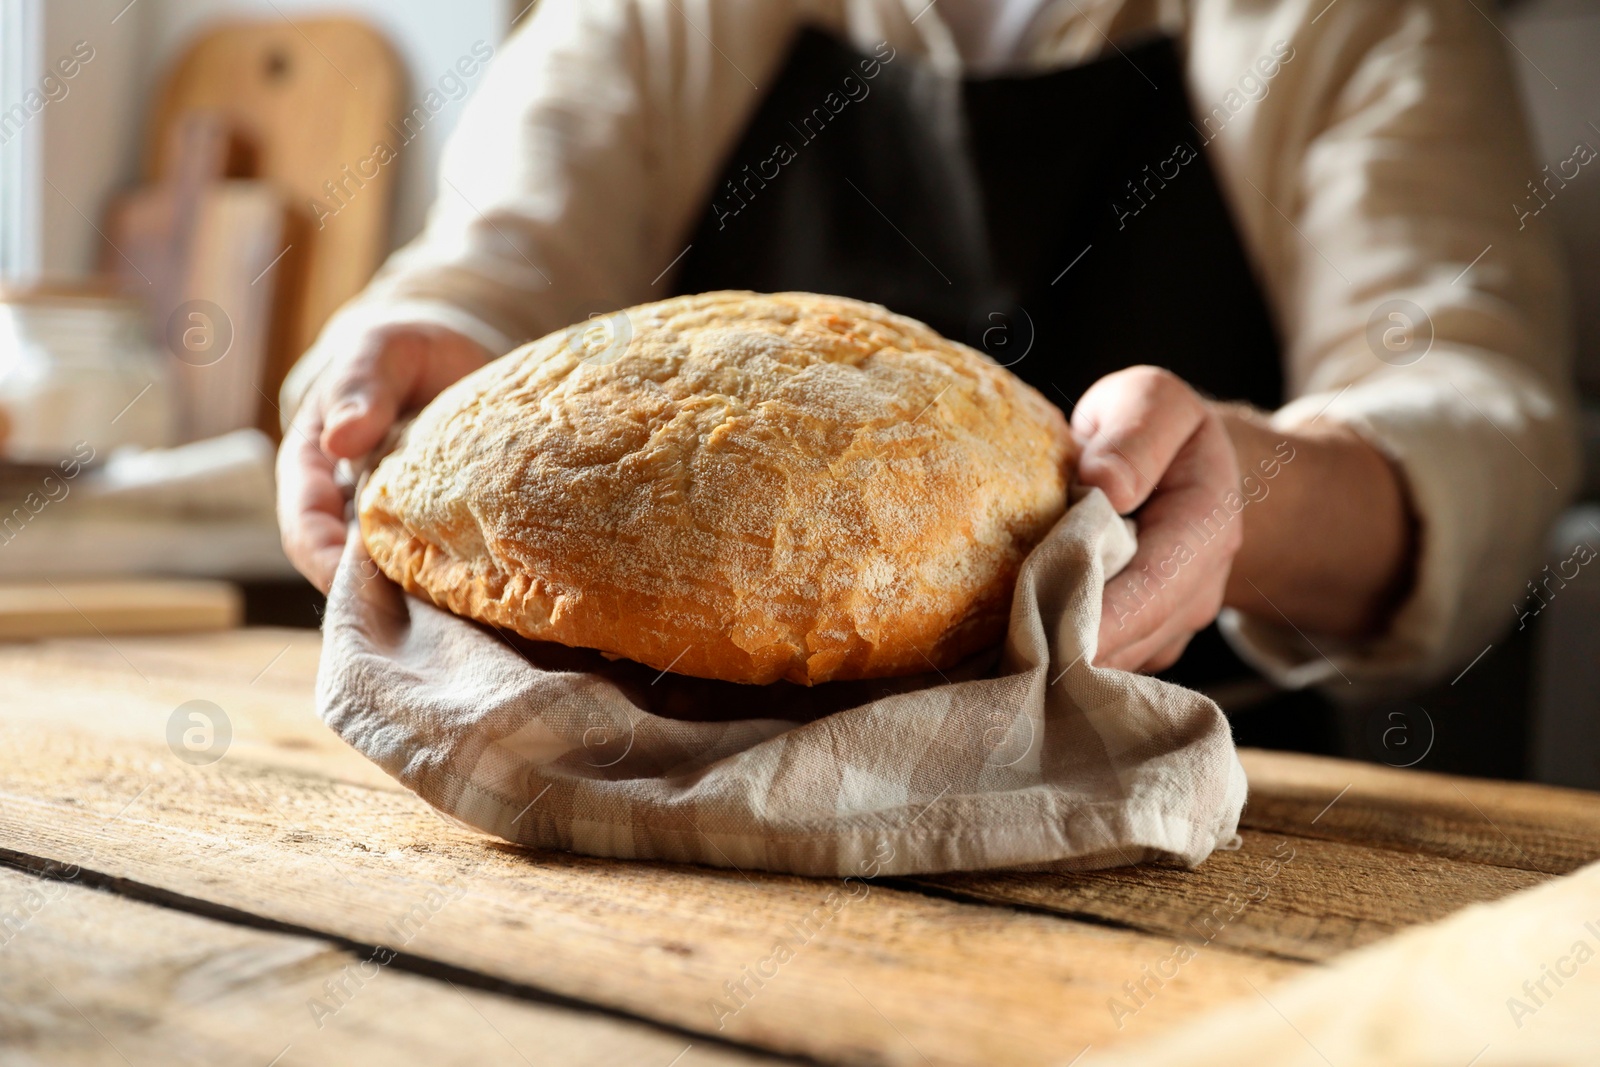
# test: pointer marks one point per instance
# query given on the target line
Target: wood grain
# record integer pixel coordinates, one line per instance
(1510, 824)
(289, 828)
(1496, 985)
(89, 977)
(111, 606)
(1296, 897)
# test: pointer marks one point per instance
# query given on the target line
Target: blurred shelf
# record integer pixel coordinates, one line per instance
(115, 546)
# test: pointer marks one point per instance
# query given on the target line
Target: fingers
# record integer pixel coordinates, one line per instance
(311, 506)
(1131, 425)
(363, 396)
(1151, 609)
(394, 370)
(1166, 657)
(350, 410)
(1149, 634)
(347, 414)
(1190, 528)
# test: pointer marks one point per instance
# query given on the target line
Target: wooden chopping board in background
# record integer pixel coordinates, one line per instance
(209, 258)
(311, 98)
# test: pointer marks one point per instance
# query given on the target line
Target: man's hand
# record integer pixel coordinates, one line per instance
(1310, 527)
(1152, 445)
(352, 405)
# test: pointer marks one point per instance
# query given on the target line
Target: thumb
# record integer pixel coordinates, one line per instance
(362, 401)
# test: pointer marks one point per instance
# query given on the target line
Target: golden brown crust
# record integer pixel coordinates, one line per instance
(730, 485)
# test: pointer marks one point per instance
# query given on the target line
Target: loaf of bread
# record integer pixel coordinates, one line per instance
(730, 485)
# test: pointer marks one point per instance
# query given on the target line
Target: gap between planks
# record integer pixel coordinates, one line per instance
(69, 696)
(1283, 895)
(50, 872)
(654, 941)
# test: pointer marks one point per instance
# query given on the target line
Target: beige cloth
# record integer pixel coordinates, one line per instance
(1383, 158)
(1037, 760)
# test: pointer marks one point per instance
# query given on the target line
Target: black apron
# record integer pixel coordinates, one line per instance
(1068, 224)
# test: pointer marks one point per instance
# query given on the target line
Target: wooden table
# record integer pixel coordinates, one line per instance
(289, 903)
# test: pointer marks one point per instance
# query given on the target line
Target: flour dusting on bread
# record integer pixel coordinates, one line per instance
(746, 487)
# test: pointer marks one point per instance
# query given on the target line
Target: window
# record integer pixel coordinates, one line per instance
(21, 30)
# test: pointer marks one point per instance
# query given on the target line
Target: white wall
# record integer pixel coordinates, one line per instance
(70, 154)
(90, 139)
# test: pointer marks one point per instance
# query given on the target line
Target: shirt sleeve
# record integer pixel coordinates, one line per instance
(1383, 178)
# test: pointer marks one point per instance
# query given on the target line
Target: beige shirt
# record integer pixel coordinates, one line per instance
(1371, 150)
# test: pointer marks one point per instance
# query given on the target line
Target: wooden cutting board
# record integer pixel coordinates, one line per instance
(63, 608)
(310, 98)
(210, 259)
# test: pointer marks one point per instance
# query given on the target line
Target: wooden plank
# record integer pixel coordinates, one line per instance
(273, 670)
(1296, 897)
(1497, 985)
(158, 605)
(122, 689)
(1510, 824)
(302, 834)
(267, 674)
(89, 977)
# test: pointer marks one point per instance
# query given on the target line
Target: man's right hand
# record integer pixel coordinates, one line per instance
(392, 370)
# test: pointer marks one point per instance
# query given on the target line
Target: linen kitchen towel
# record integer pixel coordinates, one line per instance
(1025, 757)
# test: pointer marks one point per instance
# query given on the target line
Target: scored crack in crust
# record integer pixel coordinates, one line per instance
(730, 485)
